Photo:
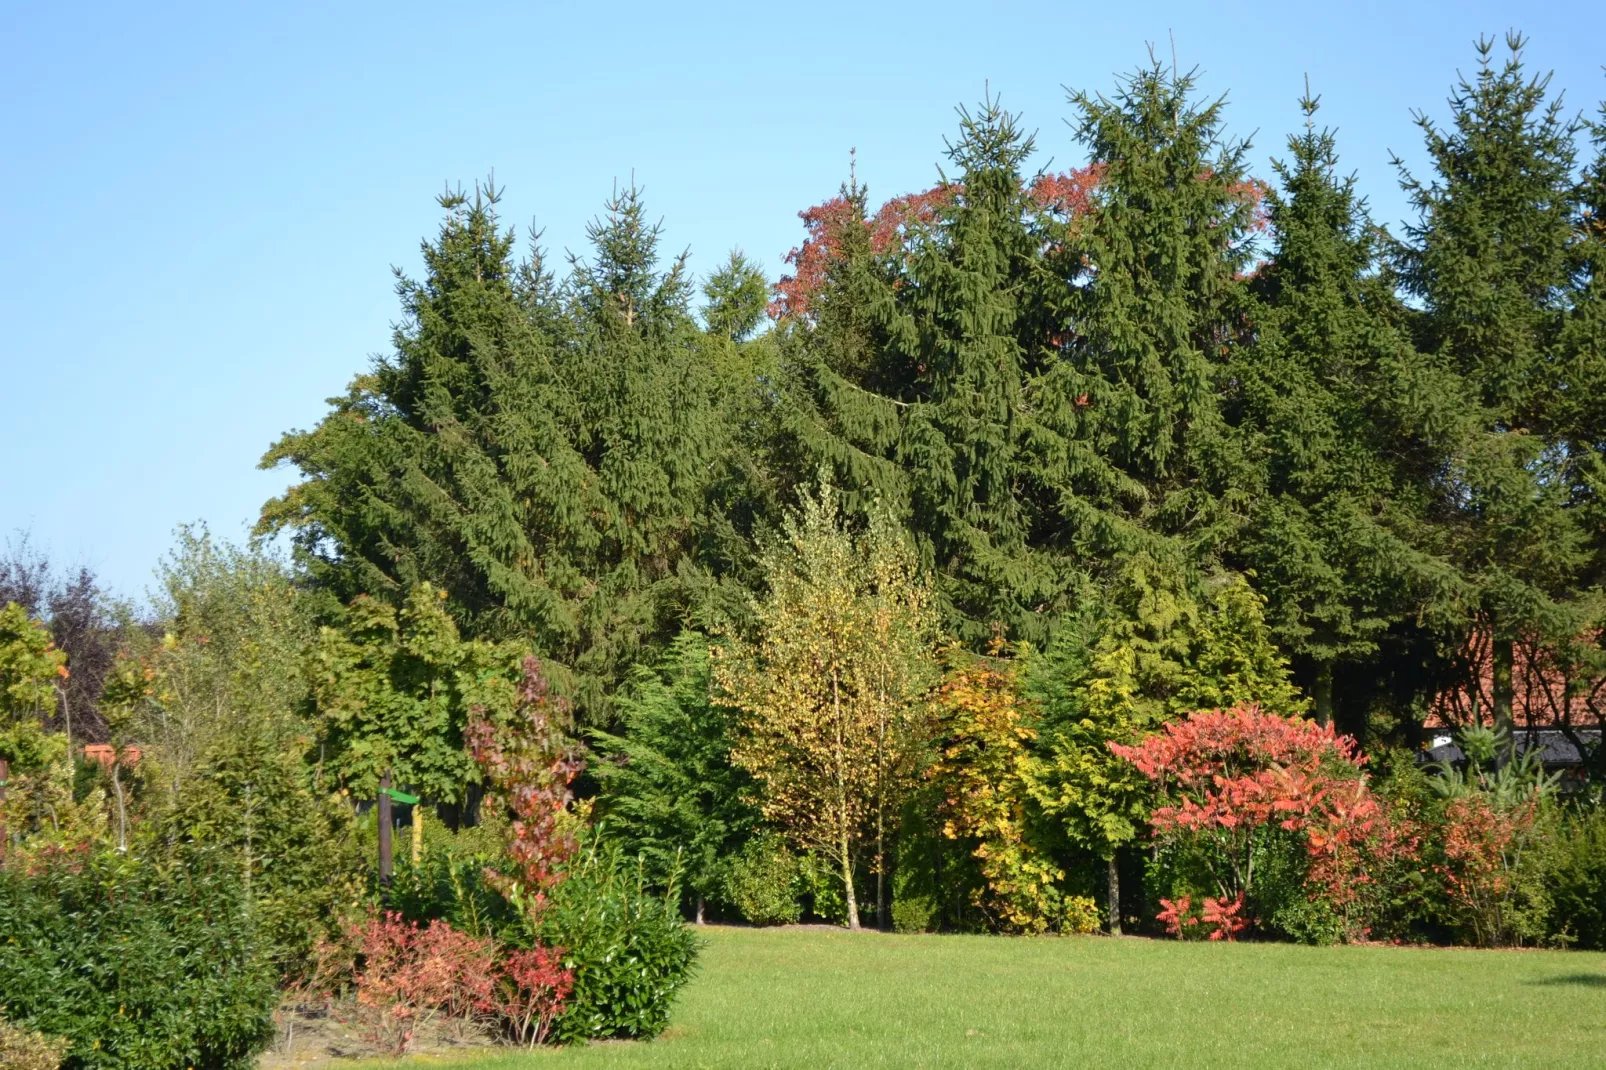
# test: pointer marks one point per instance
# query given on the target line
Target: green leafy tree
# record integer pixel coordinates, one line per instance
(30, 664)
(393, 693)
(829, 688)
(669, 790)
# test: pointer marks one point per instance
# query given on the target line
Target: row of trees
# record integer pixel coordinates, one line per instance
(887, 601)
(1157, 362)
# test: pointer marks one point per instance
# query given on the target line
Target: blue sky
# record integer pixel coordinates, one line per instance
(201, 203)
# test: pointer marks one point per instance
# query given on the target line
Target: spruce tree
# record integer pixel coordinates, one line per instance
(959, 329)
(538, 450)
(1313, 397)
(1491, 260)
(1130, 443)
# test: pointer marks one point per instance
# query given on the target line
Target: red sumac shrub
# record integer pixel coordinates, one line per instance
(1231, 779)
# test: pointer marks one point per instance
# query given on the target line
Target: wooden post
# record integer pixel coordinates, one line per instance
(384, 830)
(418, 834)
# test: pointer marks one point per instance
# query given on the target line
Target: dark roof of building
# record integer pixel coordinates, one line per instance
(1555, 749)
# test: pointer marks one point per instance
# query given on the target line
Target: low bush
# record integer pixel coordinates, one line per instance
(762, 882)
(410, 975)
(137, 966)
(1578, 885)
(628, 948)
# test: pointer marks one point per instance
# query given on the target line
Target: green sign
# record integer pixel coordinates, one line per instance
(400, 796)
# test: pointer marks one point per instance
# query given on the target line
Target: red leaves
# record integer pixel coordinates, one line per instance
(410, 975)
(532, 767)
(1223, 917)
(1231, 773)
(1071, 193)
(535, 987)
(829, 226)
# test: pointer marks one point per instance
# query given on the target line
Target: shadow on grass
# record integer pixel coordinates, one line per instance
(1582, 980)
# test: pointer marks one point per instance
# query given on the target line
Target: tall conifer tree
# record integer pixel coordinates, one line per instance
(1330, 513)
(1490, 260)
(538, 451)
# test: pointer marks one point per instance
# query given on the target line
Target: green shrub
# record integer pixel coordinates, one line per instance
(761, 882)
(138, 967)
(1578, 885)
(23, 1049)
(629, 949)
(914, 914)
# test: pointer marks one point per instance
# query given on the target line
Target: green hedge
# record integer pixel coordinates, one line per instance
(140, 966)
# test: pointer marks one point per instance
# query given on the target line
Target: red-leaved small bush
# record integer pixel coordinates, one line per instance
(410, 976)
(1230, 779)
(534, 988)
(1484, 877)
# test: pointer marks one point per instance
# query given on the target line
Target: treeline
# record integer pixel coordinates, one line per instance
(1159, 369)
(1040, 553)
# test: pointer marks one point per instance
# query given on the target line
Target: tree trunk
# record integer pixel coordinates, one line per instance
(1115, 895)
(880, 873)
(5, 774)
(384, 830)
(1323, 693)
(1504, 690)
(699, 910)
(847, 878)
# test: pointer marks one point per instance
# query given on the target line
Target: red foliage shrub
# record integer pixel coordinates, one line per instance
(534, 988)
(1222, 918)
(1483, 846)
(411, 975)
(1228, 777)
(531, 766)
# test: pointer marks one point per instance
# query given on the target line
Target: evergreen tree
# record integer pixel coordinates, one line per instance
(539, 452)
(1491, 260)
(960, 328)
(670, 791)
(1130, 445)
(1326, 441)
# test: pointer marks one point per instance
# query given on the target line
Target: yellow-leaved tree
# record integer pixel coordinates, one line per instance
(830, 685)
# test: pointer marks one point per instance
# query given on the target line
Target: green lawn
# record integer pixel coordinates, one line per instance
(816, 999)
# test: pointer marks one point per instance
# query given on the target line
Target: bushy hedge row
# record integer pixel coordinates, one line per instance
(139, 965)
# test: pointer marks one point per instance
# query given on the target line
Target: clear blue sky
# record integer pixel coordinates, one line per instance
(201, 203)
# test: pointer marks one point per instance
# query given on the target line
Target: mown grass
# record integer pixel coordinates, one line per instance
(815, 999)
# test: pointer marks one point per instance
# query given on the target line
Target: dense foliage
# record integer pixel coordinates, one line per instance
(1096, 546)
(140, 966)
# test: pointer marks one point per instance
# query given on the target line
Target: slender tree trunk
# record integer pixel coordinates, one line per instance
(1115, 895)
(1323, 693)
(1504, 656)
(5, 834)
(122, 809)
(847, 876)
(384, 830)
(880, 872)
(843, 816)
(699, 910)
